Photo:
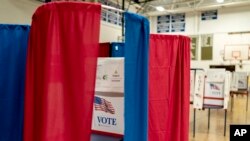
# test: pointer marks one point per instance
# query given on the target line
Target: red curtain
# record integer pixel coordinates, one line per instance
(169, 66)
(61, 70)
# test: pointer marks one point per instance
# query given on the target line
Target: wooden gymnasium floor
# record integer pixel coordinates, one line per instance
(238, 115)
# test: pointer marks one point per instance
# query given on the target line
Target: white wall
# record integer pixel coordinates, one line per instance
(229, 20)
(110, 32)
(17, 11)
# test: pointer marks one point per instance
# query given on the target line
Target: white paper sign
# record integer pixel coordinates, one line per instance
(110, 75)
(214, 94)
(215, 75)
(234, 82)
(214, 87)
(242, 80)
(108, 113)
(239, 81)
(227, 89)
(192, 77)
(198, 89)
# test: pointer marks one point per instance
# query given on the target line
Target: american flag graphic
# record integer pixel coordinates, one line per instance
(214, 87)
(103, 105)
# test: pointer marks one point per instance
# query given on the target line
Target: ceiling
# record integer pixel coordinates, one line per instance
(148, 7)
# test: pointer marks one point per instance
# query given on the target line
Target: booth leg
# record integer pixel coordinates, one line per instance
(247, 103)
(225, 122)
(194, 124)
(232, 102)
(208, 125)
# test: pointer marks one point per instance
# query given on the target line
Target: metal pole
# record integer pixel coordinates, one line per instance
(208, 118)
(247, 101)
(194, 125)
(232, 102)
(225, 122)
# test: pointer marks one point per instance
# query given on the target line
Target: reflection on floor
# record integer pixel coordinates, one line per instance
(238, 115)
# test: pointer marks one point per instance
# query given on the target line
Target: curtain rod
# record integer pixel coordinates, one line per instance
(112, 8)
(103, 6)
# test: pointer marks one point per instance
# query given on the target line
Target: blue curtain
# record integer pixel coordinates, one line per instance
(136, 77)
(117, 49)
(13, 44)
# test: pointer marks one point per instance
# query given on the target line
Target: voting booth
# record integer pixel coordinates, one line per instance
(108, 107)
(212, 88)
(211, 91)
(239, 86)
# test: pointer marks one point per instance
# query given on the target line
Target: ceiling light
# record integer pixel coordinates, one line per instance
(220, 1)
(160, 8)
